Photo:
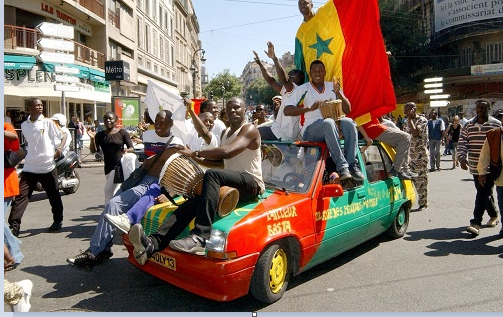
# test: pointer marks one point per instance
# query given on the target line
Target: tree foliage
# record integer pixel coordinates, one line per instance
(260, 92)
(405, 39)
(223, 86)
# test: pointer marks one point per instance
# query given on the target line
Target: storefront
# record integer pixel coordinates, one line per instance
(24, 79)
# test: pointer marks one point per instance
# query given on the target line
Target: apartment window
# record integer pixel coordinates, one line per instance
(172, 60)
(113, 50)
(162, 71)
(147, 37)
(166, 22)
(170, 32)
(149, 64)
(154, 36)
(140, 33)
(140, 4)
(140, 60)
(161, 47)
(494, 53)
(466, 57)
(160, 16)
(147, 7)
(155, 68)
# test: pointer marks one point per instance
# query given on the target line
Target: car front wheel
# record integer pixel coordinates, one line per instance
(272, 272)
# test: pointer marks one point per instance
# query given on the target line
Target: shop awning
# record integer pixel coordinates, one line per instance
(96, 75)
(18, 62)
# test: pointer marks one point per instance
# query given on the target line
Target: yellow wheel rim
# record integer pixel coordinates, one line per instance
(278, 271)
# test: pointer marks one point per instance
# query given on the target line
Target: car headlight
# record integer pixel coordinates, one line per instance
(217, 241)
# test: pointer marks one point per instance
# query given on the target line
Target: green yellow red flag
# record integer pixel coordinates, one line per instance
(346, 36)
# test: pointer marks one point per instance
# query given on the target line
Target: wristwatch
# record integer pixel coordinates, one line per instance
(197, 154)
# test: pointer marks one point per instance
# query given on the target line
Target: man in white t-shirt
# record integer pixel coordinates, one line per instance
(41, 134)
(210, 105)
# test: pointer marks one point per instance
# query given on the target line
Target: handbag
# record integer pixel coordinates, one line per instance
(12, 158)
(119, 173)
(133, 179)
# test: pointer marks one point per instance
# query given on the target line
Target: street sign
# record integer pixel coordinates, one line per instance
(433, 91)
(65, 70)
(434, 79)
(56, 30)
(55, 44)
(66, 88)
(57, 57)
(66, 79)
(445, 96)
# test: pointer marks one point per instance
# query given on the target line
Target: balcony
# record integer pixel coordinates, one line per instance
(95, 6)
(20, 37)
(114, 18)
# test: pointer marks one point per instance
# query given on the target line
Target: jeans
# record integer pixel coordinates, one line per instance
(146, 201)
(204, 207)
(331, 137)
(9, 239)
(119, 204)
(434, 154)
(49, 182)
(484, 200)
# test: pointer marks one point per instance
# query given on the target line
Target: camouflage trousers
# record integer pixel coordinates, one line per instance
(418, 163)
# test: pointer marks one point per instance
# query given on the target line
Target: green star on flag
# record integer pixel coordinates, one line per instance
(321, 46)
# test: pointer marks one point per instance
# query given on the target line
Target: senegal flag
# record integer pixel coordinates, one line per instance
(346, 36)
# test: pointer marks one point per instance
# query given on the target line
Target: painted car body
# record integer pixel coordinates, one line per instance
(302, 219)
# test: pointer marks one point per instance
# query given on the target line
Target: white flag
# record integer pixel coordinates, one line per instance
(159, 98)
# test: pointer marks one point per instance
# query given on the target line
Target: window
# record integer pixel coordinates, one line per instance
(494, 53)
(154, 36)
(160, 16)
(113, 50)
(149, 64)
(166, 22)
(147, 7)
(377, 163)
(170, 27)
(172, 60)
(147, 37)
(140, 60)
(140, 33)
(161, 48)
(155, 68)
(466, 57)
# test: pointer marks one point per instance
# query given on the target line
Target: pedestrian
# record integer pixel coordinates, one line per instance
(41, 135)
(240, 157)
(451, 139)
(469, 147)
(284, 128)
(417, 127)
(492, 151)
(100, 245)
(10, 190)
(462, 119)
(436, 133)
(115, 144)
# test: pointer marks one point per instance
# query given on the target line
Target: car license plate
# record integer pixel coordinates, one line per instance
(164, 260)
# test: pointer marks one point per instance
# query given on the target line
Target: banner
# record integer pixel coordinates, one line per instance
(159, 98)
(455, 12)
(346, 36)
(127, 110)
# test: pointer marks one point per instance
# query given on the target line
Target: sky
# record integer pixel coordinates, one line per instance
(230, 30)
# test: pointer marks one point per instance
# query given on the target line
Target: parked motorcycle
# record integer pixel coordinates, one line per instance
(68, 178)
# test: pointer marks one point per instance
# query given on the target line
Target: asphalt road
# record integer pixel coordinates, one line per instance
(436, 267)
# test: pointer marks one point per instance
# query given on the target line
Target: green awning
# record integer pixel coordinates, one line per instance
(83, 71)
(96, 75)
(18, 62)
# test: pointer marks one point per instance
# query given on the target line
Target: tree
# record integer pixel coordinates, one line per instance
(224, 86)
(260, 92)
(405, 39)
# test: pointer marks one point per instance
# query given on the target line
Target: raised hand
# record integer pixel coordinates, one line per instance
(270, 50)
(337, 84)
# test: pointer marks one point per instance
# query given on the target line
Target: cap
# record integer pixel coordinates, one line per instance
(277, 98)
(498, 114)
(60, 118)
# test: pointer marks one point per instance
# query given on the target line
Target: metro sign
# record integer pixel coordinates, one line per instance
(54, 44)
(56, 30)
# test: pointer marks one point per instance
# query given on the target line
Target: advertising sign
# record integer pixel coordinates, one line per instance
(127, 110)
(454, 12)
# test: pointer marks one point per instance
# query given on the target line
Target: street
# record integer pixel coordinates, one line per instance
(436, 267)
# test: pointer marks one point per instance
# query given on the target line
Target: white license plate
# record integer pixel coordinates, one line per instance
(164, 260)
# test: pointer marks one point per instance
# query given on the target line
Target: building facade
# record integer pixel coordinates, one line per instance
(155, 37)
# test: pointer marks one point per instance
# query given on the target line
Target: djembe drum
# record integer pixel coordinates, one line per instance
(333, 109)
(182, 176)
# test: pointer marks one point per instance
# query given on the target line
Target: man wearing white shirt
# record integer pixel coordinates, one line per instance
(41, 134)
(209, 105)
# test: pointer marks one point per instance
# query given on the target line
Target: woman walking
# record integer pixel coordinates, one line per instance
(451, 139)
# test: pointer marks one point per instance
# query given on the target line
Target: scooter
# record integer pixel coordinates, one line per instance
(68, 178)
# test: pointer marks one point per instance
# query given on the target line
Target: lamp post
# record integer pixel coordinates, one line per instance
(195, 70)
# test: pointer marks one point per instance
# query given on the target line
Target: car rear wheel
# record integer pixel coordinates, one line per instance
(272, 272)
(400, 223)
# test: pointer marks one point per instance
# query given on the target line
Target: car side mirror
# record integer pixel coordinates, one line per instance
(331, 190)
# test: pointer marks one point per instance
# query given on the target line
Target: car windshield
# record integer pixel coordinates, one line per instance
(289, 166)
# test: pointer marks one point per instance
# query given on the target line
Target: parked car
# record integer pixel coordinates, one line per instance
(305, 217)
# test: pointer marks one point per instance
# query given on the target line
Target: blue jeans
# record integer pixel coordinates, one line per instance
(434, 154)
(9, 239)
(122, 201)
(331, 137)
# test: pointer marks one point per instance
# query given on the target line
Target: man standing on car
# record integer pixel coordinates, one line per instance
(42, 135)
